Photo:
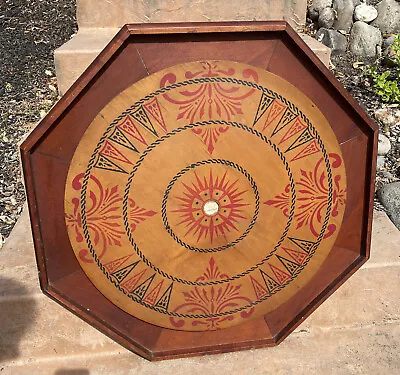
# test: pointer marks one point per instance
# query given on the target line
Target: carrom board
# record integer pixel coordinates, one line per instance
(202, 193)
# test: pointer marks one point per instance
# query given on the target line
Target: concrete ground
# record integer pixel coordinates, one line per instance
(356, 331)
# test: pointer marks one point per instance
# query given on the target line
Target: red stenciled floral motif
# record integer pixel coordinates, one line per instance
(282, 201)
(102, 216)
(220, 190)
(138, 214)
(210, 135)
(212, 300)
(313, 193)
(210, 100)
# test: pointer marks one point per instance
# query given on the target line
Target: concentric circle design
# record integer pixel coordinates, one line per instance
(205, 195)
(222, 195)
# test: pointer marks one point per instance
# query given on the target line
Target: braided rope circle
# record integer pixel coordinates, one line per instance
(177, 131)
(188, 168)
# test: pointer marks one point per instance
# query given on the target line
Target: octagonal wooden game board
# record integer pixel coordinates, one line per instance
(200, 192)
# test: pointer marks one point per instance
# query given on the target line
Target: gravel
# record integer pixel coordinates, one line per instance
(29, 33)
(360, 89)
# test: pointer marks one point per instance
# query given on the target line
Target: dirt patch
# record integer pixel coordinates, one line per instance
(359, 86)
(30, 31)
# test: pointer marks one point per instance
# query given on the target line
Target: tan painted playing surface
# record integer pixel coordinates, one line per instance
(205, 195)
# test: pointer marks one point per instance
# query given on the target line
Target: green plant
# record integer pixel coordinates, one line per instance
(386, 84)
(387, 89)
(395, 48)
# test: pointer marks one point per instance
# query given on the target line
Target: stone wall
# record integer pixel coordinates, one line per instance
(99, 21)
(115, 13)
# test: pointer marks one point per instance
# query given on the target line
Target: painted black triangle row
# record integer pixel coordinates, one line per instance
(141, 290)
(305, 245)
(287, 117)
(163, 302)
(105, 163)
(119, 137)
(288, 264)
(141, 116)
(122, 273)
(303, 138)
(265, 102)
(270, 283)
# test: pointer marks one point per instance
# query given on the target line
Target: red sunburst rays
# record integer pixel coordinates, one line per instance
(225, 193)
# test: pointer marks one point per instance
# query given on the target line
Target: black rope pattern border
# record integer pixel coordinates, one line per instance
(188, 168)
(176, 131)
(150, 96)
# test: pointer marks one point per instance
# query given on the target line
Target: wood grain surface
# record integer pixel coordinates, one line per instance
(116, 172)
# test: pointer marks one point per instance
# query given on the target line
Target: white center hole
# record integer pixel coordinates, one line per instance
(210, 208)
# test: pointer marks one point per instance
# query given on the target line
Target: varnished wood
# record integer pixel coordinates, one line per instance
(139, 50)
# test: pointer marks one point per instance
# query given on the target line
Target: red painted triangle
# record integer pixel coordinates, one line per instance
(129, 127)
(116, 263)
(153, 108)
(280, 274)
(311, 148)
(112, 152)
(259, 290)
(297, 127)
(273, 112)
(298, 256)
(152, 296)
(130, 283)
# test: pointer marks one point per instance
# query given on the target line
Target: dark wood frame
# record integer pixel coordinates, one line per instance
(45, 160)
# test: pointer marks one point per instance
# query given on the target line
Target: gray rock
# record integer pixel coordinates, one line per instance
(388, 55)
(383, 145)
(380, 162)
(344, 14)
(387, 175)
(388, 116)
(389, 196)
(391, 56)
(332, 39)
(326, 18)
(388, 41)
(317, 6)
(365, 40)
(388, 20)
(365, 13)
